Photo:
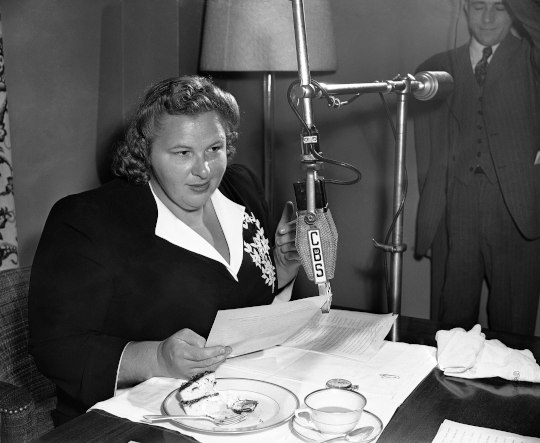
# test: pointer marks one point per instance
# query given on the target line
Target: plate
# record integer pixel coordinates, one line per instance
(276, 406)
(311, 435)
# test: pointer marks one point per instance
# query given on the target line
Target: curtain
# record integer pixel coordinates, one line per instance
(9, 257)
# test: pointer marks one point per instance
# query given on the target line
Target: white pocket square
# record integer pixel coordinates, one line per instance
(537, 159)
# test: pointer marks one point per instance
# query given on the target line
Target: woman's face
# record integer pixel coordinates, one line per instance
(188, 158)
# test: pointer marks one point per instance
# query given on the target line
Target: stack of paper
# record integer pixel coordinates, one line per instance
(300, 324)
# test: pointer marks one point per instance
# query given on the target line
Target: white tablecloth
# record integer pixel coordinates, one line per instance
(301, 372)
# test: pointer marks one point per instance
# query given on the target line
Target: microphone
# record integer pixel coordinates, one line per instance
(316, 237)
(316, 234)
(433, 84)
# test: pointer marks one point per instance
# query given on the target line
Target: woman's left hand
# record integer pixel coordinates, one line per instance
(285, 253)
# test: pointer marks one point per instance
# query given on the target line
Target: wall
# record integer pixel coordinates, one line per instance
(75, 69)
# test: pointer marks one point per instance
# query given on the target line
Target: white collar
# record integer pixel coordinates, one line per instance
(231, 218)
(475, 50)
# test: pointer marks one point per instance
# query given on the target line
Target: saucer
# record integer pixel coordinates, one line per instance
(311, 435)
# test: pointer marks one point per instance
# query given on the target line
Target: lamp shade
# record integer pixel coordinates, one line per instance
(258, 35)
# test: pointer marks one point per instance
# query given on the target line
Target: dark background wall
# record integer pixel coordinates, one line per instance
(75, 69)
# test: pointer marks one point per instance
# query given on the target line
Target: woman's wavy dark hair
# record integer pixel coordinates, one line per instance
(189, 95)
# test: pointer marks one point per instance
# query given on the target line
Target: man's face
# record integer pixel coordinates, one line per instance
(489, 21)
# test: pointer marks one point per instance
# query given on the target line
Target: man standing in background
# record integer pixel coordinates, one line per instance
(478, 155)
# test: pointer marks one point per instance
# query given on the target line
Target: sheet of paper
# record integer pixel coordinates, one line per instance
(248, 330)
(453, 432)
(355, 335)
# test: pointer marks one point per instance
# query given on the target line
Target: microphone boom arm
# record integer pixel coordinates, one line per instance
(424, 86)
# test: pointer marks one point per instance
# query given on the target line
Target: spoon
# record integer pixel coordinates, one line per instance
(364, 431)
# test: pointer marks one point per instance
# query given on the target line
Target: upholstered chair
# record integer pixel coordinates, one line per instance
(27, 398)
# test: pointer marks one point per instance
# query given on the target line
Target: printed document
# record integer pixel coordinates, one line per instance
(300, 324)
(248, 330)
(356, 335)
(453, 432)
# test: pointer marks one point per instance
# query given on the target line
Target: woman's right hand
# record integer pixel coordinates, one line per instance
(183, 355)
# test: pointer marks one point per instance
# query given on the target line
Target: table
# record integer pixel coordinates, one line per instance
(491, 403)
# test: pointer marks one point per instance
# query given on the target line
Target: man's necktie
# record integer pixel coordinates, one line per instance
(480, 70)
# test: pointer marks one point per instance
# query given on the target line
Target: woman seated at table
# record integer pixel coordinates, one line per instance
(128, 278)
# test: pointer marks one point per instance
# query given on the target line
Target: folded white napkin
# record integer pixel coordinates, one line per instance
(469, 355)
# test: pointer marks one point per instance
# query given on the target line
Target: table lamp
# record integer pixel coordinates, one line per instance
(258, 35)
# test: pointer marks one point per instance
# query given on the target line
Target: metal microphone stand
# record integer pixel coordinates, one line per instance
(309, 162)
(424, 86)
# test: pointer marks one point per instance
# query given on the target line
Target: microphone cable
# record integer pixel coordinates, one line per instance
(401, 204)
(314, 152)
(456, 26)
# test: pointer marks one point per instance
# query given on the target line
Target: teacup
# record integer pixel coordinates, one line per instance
(332, 410)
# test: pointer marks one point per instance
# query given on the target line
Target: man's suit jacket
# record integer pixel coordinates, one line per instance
(102, 278)
(511, 107)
